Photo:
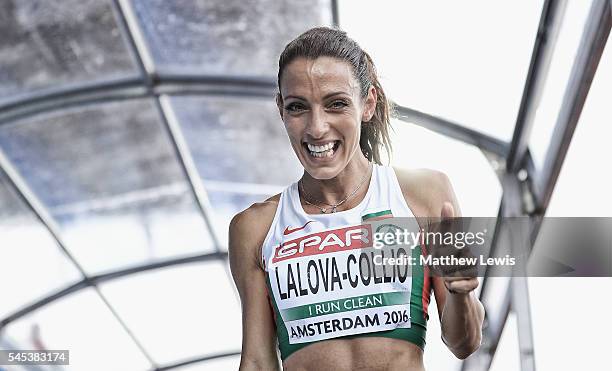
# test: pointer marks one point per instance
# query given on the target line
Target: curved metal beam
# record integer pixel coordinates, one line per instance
(70, 90)
(171, 83)
(44, 301)
(134, 88)
(101, 278)
(453, 130)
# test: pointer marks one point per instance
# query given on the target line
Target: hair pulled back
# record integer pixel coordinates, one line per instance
(330, 42)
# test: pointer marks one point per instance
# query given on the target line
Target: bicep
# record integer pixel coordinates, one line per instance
(258, 330)
(427, 191)
(446, 193)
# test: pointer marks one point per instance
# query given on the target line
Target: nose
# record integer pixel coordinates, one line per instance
(317, 125)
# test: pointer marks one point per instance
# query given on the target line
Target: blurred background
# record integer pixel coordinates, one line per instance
(131, 131)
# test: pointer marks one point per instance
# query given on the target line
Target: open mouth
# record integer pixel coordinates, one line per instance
(322, 150)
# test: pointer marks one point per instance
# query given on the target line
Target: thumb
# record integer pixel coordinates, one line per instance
(448, 211)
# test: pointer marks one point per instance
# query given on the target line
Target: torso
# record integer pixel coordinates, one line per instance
(354, 352)
(367, 353)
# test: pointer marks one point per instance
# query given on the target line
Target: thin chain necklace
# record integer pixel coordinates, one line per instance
(333, 207)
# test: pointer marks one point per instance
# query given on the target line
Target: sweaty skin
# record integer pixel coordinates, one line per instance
(320, 103)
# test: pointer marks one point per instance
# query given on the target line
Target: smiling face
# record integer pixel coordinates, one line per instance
(322, 108)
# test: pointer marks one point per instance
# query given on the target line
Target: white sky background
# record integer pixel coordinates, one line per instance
(467, 62)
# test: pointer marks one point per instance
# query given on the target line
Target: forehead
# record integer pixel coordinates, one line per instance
(324, 74)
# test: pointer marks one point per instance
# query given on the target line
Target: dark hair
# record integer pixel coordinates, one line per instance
(329, 42)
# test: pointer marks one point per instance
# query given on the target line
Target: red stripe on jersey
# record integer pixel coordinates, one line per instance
(426, 293)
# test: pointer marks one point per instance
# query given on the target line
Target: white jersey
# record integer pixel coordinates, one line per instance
(321, 274)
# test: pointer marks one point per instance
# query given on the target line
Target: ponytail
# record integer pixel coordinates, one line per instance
(375, 132)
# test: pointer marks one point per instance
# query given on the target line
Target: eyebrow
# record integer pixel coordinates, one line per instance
(327, 96)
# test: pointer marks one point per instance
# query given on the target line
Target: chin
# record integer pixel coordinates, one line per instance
(322, 172)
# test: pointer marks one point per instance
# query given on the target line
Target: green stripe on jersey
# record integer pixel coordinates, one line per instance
(345, 305)
(376, 215)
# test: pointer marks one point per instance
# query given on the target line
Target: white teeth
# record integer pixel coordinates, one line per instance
(325, 150)
(322, 154)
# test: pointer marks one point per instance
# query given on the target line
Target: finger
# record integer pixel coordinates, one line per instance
(462, 286)
(459, 278)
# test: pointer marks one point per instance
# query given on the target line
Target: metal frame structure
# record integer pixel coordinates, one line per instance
(453, 130)
(589, 53)
(133, 87)
(535, 186)
(158, 85)
(548, 31)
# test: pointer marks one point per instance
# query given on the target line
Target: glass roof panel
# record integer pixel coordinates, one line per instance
(180, 312)
(463, 61)
(417, 147)
(31, 264)
(225, 36)
(83, 324)
(226, 205)
(47, 44)
(110, 177)
(235, 142)
(564, 54)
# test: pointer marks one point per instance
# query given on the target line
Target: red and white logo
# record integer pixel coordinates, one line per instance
(354, 237)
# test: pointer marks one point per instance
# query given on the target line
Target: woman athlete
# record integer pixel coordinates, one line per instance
(304, 286)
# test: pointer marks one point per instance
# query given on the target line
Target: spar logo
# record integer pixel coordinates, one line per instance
(355, 237)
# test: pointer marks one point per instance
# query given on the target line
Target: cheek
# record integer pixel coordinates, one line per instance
(351, 126)
(294, 128)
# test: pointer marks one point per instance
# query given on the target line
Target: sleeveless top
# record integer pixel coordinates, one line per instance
(321, 276)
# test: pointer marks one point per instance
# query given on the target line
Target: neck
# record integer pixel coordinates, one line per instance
(334, 190)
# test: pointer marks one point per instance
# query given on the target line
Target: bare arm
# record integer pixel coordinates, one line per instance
(246, 234)
(462, 317)
(462, 314)
(428, 192)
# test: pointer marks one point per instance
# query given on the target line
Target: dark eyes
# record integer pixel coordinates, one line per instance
(294, 107)
(299, 107)
(338, 104)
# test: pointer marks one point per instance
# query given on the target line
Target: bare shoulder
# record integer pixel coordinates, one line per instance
(425, 190)
(249, 227)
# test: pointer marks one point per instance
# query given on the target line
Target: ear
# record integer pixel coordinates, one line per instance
(279, 104)
(369, 105)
